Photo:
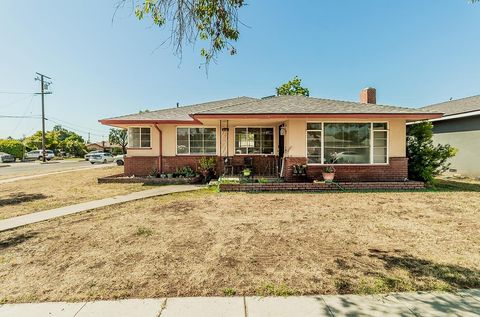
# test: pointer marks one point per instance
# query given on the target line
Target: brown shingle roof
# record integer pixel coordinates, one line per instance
(456, 106)
(307, 105)
(182, 113)
(279, 105)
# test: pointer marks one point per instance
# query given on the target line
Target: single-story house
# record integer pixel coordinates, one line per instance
(459, 127)
(102, 146)
(274, 134)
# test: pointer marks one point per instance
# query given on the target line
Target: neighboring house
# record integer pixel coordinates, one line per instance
(270, 132)
(103, 146)
(460, 127)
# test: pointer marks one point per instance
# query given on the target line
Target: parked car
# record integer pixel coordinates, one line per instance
(87, 156)
(7, 158)
(120, 159)
(102, 157)
(37, 155)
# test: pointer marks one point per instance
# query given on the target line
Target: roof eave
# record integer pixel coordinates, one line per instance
(408, 116)
(120, 122)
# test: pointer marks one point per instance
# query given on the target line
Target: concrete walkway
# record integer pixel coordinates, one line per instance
(465, 303)
(15, 222)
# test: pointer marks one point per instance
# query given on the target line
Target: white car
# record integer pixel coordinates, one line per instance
(102, 157)
(37, 155)
(87, 156)
(120, 159)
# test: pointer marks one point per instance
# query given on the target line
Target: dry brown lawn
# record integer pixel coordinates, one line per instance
(57, 190)
(207, 243)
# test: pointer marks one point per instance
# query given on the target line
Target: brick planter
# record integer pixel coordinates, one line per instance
(120, 178)
(318, 187)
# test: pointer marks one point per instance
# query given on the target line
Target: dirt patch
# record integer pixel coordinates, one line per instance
(57, 190)
(205, 243)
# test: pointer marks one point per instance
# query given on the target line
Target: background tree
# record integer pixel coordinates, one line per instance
(292, 88)
(426, 160)
(13, 147)
(120, 137)
(58, 139)
(213, 22)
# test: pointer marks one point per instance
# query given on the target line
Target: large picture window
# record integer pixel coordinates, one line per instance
(254, 140)
(139, 138)
(196, 141)
(348, 143)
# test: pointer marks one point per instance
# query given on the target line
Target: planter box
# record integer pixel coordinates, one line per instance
(120, 178)
(318, 187)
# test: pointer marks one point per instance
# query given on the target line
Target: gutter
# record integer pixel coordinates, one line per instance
(159, 148)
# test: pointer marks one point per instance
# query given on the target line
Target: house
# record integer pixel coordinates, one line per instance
(459, 127)
(273, 135)
(103, 146)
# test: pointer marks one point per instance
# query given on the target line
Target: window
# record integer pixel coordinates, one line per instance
(254, 141)
(350, 143)
(380, 141)
(314, 143)
(196, 141)
(139, 137)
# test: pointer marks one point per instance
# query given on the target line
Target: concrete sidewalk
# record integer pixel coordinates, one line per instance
(15, 222)
(464, 303)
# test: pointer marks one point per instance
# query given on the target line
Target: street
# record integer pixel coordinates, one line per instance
(20, 169)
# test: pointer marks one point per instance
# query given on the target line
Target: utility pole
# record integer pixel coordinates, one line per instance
(43, 86)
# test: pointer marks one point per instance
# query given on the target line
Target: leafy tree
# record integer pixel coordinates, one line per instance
(13, 147)
(120, 137)
(292, 88)
(426, 160)
(59, 139)
(214, 22)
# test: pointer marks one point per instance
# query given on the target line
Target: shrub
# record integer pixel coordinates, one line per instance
(12, 147)
(426, 160)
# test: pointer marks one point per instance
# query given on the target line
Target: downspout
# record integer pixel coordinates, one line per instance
(159, 148)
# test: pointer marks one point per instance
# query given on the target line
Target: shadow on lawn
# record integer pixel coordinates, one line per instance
(452, 185)
(16, 240)
(456, 277)
(20, 197)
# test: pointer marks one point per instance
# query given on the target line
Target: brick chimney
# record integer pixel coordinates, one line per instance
(368, 95)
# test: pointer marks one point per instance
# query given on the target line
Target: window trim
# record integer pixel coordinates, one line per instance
(139, 147)
(195, 127)
(352, 164)
(253, 154)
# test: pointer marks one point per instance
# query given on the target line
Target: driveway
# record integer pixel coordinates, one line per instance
(20, 169)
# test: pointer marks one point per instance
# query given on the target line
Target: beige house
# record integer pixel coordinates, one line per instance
(272, 135)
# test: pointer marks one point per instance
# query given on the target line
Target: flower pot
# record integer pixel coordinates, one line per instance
(328, 177)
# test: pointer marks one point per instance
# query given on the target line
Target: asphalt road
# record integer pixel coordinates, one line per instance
(36, 168)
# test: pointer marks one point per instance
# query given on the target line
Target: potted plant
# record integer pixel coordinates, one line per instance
(247, 172)
(328, 172)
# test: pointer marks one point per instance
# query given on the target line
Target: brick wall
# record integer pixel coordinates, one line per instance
(140, 165)
(171, 163)
(395, 171)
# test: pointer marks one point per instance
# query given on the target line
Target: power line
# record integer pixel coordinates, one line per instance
(16, 93)
(75, 125)
(16, 101)
(19, 117)
(74, 129)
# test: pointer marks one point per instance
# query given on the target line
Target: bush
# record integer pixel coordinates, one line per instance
(12, 147)
(426, 160)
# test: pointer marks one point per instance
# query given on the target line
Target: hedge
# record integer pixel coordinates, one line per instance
(12, 147)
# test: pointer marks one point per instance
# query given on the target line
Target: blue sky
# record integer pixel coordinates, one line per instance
(414, 52)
